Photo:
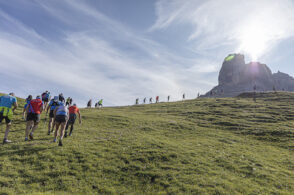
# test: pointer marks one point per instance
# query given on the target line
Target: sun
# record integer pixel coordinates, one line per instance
(253, 41)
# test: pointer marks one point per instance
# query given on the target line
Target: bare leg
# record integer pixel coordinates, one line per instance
(50, 124)
(62, 130)
(7, 130)
(56, 131)
(35, 127)
(29, 125)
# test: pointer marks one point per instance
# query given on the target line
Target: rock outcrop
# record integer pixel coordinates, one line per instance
(237, 77)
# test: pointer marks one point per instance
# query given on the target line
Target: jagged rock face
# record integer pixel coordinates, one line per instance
(236, 77)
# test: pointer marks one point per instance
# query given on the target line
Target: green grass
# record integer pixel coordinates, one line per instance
(203, 146)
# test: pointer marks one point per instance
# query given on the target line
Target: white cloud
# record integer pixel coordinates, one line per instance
(87, 64)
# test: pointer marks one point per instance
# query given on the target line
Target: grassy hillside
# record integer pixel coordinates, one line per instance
(203, 146)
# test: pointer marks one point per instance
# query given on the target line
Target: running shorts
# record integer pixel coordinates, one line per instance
(72, 119)
(51, 114)
(61, 118)
(33, 117)
(7, 120)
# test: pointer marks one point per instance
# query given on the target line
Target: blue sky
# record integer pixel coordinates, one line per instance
(122, 50)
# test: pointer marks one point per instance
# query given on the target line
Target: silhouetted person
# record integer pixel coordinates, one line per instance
(168, 97)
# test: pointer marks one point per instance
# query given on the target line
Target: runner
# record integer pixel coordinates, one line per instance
(73, 111)
(184, 96)
(52, 105)
(61, 117)
(29, 98)
(34, 110)
(157, 99)
(137, 101)
(89, 104)
(6, 102)
(46, 98)
(68, 101)
(168, 97)
(61, 98)
(150, 100)
(144, 101)
(100, 103)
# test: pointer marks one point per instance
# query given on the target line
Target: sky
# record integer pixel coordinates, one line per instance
(122, 50)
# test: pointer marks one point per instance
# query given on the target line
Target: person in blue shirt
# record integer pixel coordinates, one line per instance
(6, 112)
(52, 105)
(29, 98)
(61, 118)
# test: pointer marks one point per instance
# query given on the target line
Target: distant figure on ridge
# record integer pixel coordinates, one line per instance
(34, 110)
(61, 98)
(100, 103)
(150, 100)
(137, 101)
(68, 101)
(89, 104)
(184, 96)
(73, 111)
(168, 98)
(6, 112)
(144, 100)
(157, 99)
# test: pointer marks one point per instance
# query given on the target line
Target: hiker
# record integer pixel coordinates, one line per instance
(61, 98)
(46, 98)
(52, 105)
(68, 101)
(34, 110)
(61, 117)
(144, 100)
(157, 99)
(6, 102)
(89, 104)
(150, 100)
(73, 111)
(96, 104)
(28, 99)
(168, 97)
(100, 103)
(137, 101)
(184, 96)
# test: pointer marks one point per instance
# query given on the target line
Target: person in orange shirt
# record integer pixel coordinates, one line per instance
(73, 111)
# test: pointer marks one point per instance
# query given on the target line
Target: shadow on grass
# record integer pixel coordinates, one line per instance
(28, 150)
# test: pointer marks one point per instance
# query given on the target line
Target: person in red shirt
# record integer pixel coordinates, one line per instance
(34, 110)
(73, 111)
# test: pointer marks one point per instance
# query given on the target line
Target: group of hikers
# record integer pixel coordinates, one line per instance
(61, 114)
(157, 99)
(97, 104)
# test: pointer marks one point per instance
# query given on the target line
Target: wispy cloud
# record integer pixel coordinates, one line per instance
(251, 26)
(96, 57)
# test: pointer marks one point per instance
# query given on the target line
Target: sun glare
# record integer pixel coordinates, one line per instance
(253, 42)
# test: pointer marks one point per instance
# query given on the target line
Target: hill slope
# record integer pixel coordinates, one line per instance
(216, 146)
